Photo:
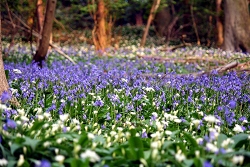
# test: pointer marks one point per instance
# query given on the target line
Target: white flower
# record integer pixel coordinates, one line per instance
(20, 160)
(24, 118)
(46, 144)
(211, 119)
(155, 114)
(91, 136)
(59, 158)
(154, 145)
(13, 91)
(197, 153)
(64, 117)
(167, 132)
(20, 111)
(3, 107)
(47, 115)
(17, 71)
(3, 162)
(237, 129)
(226, 142)
(212, 147)
(149, 89)
(196, 122)
(62, 101)
(156, 135)
(159, 126)
(77, 148)
(177, 120)
(238, 159)
(124, 80)
(93, 157)
(179, 156)
(112, 133)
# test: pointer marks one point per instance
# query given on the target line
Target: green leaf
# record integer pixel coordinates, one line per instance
(37, 125)
(75, 162)
(31, 142)
(221, 138)
(11, 163)
(188, 162)
(147, 154)
(240, 140)
(14, 147)
(3, 150)
(197, 162)
(136, 147)
(191, 140)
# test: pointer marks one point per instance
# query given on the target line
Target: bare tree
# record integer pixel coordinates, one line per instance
(153, 10)
(46, 32)
(219, 24)
(4, 86)
(237, 26)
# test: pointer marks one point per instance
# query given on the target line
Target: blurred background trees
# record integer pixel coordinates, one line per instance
(104, 22)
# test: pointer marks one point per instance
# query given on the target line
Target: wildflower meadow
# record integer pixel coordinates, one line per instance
(123, 110)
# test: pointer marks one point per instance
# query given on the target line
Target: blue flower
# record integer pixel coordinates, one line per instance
(6, 95)
(11, 124)
(232, 104)
(118, 116)
(144, 135)
(44, 163)
(98, 103)
(207, 164)
(108, 116)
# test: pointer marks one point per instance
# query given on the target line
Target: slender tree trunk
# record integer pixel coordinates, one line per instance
(40, 17)
(4, 86)
(47, 29)
(219, 24)
(194, 24)
(237, 26)
(100, 36)
(154, 7)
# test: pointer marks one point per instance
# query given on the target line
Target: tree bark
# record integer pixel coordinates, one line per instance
(237, 26)
(40, 18)
(4, 86)
(162, 20)
(154, 7)
(99, 33)
(46, 32)
(219, 24)
(138, 19)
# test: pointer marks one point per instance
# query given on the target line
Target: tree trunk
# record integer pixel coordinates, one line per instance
(99, 33)
(219, 24)
(237, 26)
(46, 32)
(40, 18)
(154, 7)
(138, 19)
(4, 86)
(162, 20)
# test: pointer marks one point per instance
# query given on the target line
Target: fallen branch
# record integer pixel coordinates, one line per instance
(220, 70)
(36, 34)
(227, 66)
(181, 60)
